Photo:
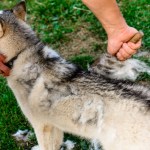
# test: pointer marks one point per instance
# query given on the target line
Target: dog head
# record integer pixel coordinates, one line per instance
(14, 32)
(8, 16)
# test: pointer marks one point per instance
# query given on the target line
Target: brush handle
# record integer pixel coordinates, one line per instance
(137, 37)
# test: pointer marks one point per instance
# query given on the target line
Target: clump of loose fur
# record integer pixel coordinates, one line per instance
(110, 67)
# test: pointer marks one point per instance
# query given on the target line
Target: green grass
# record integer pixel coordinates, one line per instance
(85, 60)
(53, 20)
(137, 15)
(11, 118)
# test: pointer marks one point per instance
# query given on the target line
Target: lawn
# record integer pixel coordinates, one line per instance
(72, 29)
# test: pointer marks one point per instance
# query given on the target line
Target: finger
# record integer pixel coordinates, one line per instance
(2, 58)
(111, 51)
(128, 50)
(119, 56)
(4, 69)
(135, 46)
(124, 53)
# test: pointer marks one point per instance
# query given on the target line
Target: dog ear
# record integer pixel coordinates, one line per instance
(2, 27)
(20, 10)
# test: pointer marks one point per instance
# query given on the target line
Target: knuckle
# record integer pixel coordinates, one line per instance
(119, 56)
(111, 51)
(124, 53)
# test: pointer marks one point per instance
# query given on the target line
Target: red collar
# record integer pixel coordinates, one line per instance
(3, 68)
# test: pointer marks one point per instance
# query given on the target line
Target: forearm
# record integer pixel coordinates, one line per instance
(108, 13)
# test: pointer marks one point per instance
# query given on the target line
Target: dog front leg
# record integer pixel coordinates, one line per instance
(48, 137)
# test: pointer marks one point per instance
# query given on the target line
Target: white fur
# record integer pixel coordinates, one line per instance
(95, 145)
(50, 53)
(49, 100)
(35, 148)
(124, 70)
(1, 12)
(69, 145)
(131, 70)
(22, 135)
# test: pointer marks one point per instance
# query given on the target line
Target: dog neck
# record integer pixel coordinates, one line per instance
(38, 46)
(11, 61)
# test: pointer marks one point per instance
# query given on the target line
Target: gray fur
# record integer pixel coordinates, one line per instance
(109, 66)
(57, 97)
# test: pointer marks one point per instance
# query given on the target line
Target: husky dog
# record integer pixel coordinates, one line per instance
(57, 97)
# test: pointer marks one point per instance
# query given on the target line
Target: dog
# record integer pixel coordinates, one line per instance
(56, 96)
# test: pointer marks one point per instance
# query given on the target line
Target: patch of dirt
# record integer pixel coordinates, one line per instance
(82, 42)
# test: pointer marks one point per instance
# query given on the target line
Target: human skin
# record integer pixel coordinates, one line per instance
(118, 32)
(4, 70)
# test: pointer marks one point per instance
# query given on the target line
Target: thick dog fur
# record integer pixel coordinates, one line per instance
(57, 97)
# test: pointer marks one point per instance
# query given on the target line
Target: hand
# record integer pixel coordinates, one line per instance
(4, 70)
(119, 43)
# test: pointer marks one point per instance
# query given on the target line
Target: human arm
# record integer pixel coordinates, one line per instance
(118, 32)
